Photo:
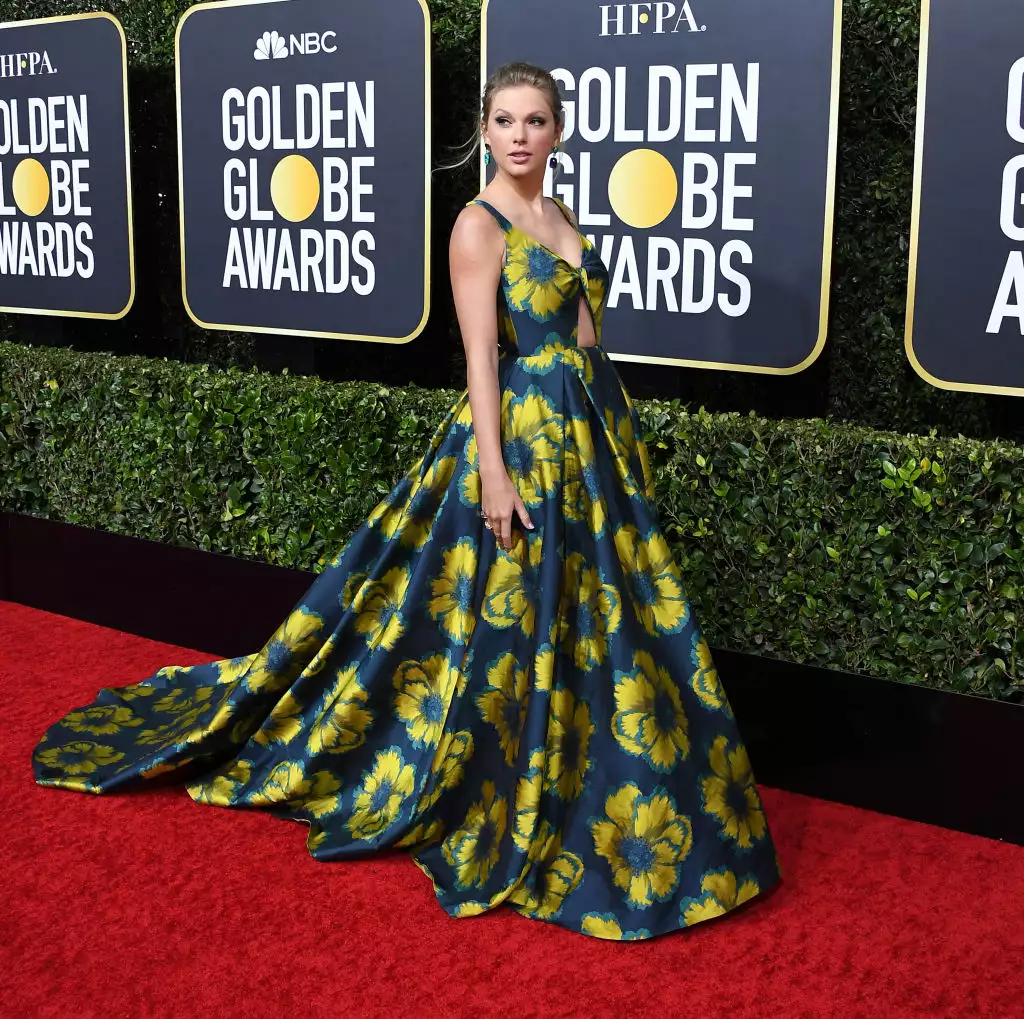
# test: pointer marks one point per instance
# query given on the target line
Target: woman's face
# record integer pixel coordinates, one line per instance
(521, 130)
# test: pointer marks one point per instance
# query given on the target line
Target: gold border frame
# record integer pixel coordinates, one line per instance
(107, 316)
(830, 188)
(426, 205)
(915, 222)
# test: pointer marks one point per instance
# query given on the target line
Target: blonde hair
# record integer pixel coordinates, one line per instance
(511, 75)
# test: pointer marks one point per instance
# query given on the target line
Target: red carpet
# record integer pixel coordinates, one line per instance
(150, 905)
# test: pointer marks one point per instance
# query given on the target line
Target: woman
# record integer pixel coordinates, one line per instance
(501, 671)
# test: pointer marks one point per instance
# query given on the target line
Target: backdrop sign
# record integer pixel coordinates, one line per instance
(965, 300)
(304, 133)
(65, 179)
(699, 158)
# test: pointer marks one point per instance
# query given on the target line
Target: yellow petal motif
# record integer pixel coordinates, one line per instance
(582, 498)
(452, 604)
(720, 895)
(474, 849)
(503, 702)
(538, 282)
(590, 613)
(424, 694)
(285, 784)
(342, 719)
(101, 720)
(379, 800)
(532, 439)
(378, 608)
(655, 587)
(731, 795)
(644, 841)
(554, 875)
(510, 592)
(604, 925)
(81, 758)
(283, 724)
(284, 655)
(454, 749)
(569, 732)
(649, 720)
(705, 682)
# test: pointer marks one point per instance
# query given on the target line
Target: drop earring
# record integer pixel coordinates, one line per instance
(487, 155)
(553, 161)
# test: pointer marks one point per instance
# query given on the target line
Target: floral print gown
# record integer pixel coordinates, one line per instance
(542, 728)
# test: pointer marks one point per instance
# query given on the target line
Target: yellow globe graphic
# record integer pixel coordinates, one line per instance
(642, 188)
(295, 188)
(31, 187)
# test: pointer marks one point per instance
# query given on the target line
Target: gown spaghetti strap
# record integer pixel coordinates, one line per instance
(542, 728)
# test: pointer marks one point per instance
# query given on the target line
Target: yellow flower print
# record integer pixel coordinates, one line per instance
(731, 795)
(720, 895)
(705, 682)
(538, 282)
(644, 840)
(424, 694)
(544, 668)
(341, 720)
(474, 849)
(322, 798)
(425, 501)
(281, 660)
(582, 496)
(387, 515)
(386, 786)
(231, 669)
(595, 616)
(81, 758)
(452, 604)
(546, 356)
(503, 702)
(421, 836)
(286, 783)
(604, 925)
(622, 442)
(553, 876)
(101, 721)
(527, 804)
(454, 749)
(351, 590)
(222, 790)
(283, 724)
(510, 594)
(531, 447)
(649, 720)
(469, 479)
(75, 785)
(183, 698)
(164, 767)
(653, 580)
(378, 608)
(136, 691)
(316, 838)
(569, 732)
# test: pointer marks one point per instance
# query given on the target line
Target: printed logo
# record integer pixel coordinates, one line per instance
(270, 46)
(274, 46)
(659, 18)
(15, 65)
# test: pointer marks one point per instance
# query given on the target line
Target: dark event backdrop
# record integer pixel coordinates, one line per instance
(863, 374)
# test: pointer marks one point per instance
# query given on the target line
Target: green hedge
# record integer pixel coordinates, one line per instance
(894, 556)
(863, 375)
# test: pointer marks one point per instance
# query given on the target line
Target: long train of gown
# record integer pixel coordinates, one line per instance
(543, 728)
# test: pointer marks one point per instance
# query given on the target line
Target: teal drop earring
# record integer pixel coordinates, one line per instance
(487, 155)
(553, 161)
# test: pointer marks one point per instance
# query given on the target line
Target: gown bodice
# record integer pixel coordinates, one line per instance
(538, 297)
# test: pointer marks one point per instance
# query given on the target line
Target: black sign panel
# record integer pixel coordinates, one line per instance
(965, 301)
(304, 139)
(700, 159)
(65, 179)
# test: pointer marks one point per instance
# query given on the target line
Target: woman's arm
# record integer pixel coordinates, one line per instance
(475, 258)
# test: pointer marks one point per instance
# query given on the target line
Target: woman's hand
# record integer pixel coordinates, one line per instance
(499, 500)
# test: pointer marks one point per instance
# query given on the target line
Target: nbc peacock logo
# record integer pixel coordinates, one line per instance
(271, 46)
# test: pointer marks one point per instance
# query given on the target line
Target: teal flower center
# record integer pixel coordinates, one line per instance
(512, 714)
(590, 483)
(737, 800)
(387, 613)
(518, 456)
(664, 712)
(433, 708)
(585, 621)
(638, 854)
(645, 591)
(485, 841)
(463, 592)
(380, 797)
(279, 657)
(542, 266)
